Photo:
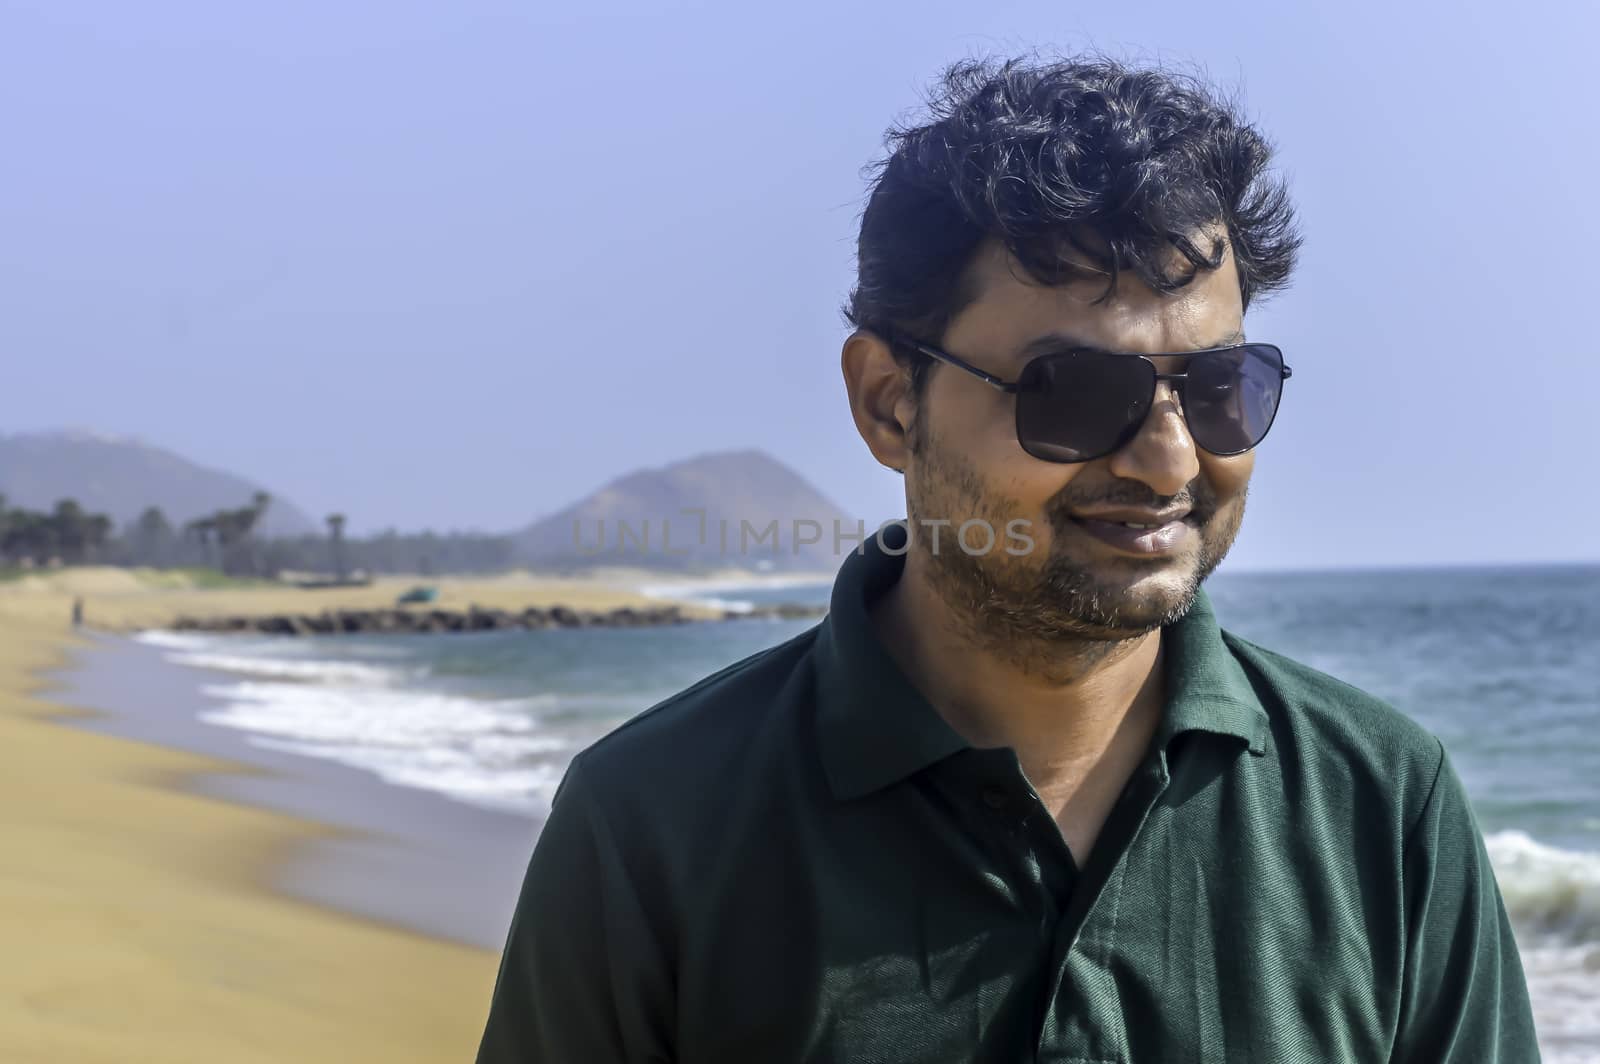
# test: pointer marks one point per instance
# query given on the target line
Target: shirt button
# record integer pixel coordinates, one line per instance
(995, 797)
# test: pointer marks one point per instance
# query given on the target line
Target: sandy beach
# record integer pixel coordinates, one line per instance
(147, 912)
(230, 848)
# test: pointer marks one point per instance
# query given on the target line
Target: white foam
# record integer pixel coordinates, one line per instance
(1553, 898)
(174, 640)
(277, 659)
(305, 670)
(726, 604)
(378, 717)
(529, 788)
(705, 591)
(1564, 989)
(489, 752)
(1548, 891)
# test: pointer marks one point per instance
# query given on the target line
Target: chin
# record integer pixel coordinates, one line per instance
(1165, 604)
(1142, 593)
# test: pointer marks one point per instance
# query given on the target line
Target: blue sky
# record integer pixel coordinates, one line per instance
(454, 265)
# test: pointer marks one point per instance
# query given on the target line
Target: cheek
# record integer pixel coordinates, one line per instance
(971, 416)
(1227, 477)
(979, 427)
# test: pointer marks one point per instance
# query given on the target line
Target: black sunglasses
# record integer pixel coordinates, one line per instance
(1078, 405)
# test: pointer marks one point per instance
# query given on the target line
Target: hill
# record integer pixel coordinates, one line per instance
(745, 495)
(120, 477)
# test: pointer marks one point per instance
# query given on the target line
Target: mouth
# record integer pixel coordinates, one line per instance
(1142, 534)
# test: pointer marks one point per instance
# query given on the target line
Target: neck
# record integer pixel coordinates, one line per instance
(1071, 711)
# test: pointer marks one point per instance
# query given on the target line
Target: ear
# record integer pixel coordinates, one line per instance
(880, 397)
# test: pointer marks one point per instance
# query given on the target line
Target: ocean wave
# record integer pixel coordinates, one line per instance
(307, 670)
(455, 774)
(1553, 898)
(169, 640)
(379, 717)
(1549, 892)
(727, 604)
(277, 660)
(495, 753)
(376, 714)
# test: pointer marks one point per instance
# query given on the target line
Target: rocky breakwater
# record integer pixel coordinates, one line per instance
(397, 621)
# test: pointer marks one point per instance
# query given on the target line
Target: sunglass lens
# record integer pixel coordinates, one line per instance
(1078, 405)
(1232, 396)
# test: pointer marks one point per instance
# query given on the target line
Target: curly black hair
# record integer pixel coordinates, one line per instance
(1085, 155)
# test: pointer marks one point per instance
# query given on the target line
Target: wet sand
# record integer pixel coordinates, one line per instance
(395, 854)
(168, 893)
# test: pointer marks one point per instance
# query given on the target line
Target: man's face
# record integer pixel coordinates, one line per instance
(966, 463)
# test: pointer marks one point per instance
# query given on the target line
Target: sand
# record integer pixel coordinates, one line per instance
(134, 916)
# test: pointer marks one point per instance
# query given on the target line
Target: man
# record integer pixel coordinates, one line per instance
(1019, 798)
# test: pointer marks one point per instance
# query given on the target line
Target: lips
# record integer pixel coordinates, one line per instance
(1136, 517)
(1169, 535)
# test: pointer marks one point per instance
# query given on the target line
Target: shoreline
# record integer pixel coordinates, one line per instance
(143, 915)
(120, 601)
(401, 856)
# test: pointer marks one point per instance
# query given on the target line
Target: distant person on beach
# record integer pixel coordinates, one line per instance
(77, 613)
(1019, 797)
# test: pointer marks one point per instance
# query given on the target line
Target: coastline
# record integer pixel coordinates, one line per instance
(147, 914)
(400, 856)
(158, 851)
(127, 601)
(173, 892)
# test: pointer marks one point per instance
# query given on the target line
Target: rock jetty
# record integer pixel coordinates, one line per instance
(395, 621)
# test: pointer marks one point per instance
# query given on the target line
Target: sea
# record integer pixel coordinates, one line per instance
(1503, 664)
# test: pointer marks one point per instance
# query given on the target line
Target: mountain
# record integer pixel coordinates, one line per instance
(121, 476)
(742, 494)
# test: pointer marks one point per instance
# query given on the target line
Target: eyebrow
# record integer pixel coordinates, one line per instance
(1060, 341)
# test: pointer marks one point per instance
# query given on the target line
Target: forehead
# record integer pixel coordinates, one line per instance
(1010, 309)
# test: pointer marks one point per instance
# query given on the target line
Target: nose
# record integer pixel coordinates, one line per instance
(1162, 455)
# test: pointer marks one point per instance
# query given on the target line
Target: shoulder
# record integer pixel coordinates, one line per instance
(1338, 737)
(665, 792)
(698, 730)
(1332, 706)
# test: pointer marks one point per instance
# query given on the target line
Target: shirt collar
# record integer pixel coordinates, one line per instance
(874, 728)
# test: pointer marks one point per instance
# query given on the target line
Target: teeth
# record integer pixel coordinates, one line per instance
(1130, 524)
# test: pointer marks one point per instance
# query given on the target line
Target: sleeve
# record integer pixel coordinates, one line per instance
(582, 978)
(1463, 994)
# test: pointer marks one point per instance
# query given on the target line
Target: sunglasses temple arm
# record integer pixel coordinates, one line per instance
(949, 359)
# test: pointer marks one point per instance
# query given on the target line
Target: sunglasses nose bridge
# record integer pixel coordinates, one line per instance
(1174, 390)
(1160, 450)
(1166, 390)
(1148, 409)
(1143, 398)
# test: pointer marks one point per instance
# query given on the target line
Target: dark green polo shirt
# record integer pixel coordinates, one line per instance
(796, 859)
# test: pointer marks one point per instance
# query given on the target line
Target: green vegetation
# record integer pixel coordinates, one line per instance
(66, 533)
(198, 577)
(224, 548)
(219, 550)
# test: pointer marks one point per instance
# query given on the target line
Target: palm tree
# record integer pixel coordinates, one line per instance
(258, 506)
(71, 530)
(204, 530)
(151, 537)
(39, 537)
(96, 530)
(336, 532)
